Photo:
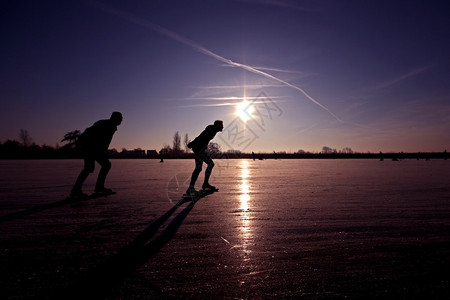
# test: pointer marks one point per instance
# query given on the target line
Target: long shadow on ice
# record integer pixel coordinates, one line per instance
(37, 209)
(100, 281)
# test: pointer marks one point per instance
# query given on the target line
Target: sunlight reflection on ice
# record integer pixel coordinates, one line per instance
(244, 186)
(244, 197)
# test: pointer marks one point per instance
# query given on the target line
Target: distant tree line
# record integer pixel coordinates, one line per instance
(328, 150)
(181, 150)
(26, 148)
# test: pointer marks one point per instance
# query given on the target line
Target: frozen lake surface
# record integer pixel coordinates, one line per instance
(314, 229)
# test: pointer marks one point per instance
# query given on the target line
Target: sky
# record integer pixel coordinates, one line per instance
(282, 75)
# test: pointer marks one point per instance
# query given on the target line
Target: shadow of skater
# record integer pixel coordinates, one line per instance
(37, 209)
(98, 283)
(94, 143)
(34, 210)
(199, 146)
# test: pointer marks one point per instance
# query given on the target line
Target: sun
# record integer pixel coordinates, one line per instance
(244, 110)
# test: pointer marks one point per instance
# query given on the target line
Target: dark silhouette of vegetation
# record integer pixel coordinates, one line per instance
(71, 138)
(25, 148)
(25, 138)
(186, 142)
(176, 143)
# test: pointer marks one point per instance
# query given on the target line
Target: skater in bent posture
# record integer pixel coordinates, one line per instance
(199, 146)
(94, 143)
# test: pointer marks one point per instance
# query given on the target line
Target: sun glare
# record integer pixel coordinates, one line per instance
(244, 110)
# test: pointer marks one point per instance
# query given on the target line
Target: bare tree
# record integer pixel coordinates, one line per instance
(186, 142)
(347, 150)
(25, 138)
(176, 144)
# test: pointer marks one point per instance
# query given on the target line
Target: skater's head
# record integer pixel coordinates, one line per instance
(218, 124)
(116, 117)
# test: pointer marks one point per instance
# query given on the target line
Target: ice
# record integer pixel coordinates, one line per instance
(317, 229)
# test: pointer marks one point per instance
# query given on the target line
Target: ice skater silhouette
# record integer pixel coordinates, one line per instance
(94, 143)
(199, 146)
(161, 156)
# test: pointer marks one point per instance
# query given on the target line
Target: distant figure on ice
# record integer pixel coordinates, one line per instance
(199, 146)
(94, 143)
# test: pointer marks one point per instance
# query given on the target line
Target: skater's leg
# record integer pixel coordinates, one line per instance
(89, 165)
(197, 170)
(106, 166)
(208, 170)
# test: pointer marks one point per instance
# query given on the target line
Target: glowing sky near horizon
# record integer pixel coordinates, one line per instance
(370, 76)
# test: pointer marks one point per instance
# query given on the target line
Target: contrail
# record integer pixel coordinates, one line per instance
(142, 22)
(246, 86)
(401, 78)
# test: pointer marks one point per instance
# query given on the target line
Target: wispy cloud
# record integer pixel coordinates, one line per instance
(221, 104)
(400, 78)
(279, 70)
(277, 3)
(142, 22)
(240, 87)
(225, 98)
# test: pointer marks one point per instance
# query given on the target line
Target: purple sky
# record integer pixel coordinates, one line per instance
(370, 75)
